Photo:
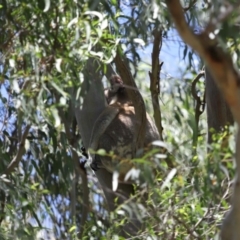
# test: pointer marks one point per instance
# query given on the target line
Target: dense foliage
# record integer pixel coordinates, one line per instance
(46, 48)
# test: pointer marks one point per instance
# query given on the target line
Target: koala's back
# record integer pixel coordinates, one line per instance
(118, 138)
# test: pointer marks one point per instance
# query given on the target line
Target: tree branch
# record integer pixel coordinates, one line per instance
(199, 108)
(222, 16)
(155, 80)
(21, 150)
(219, 62)
(192, 234)
(199, 102)
(191, 4)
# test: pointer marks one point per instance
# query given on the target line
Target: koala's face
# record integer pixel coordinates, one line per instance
(116, 92)
(116, 83)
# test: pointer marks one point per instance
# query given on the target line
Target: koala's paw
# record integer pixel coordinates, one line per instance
(94, 166)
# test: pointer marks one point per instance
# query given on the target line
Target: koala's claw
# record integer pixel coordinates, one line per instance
(94, 166)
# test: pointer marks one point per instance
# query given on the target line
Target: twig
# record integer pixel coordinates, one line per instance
(191, 4)
(154, 76)
(190, 232)
(21, 150)
(200, 220)
(199, 109)
(199, 102)
(194, 83)
(215, 22)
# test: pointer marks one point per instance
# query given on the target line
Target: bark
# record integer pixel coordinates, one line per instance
(199, 109)
(154, 75)
(218, 112)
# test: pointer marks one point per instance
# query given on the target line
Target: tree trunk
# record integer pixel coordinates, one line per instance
(218, 112)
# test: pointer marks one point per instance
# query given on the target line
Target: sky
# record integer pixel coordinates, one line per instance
(172, 55)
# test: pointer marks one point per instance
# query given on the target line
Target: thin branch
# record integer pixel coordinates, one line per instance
(190, 231)
(199, 108)
(154, 76)
(191, 4)
(21, 150)
(199, 102)
(215, 22)
(155, 80)
(201, 219)
(188, 36)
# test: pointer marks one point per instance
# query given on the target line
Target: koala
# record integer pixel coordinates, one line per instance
(114, 131)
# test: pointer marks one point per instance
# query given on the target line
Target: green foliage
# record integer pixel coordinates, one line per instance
(45, 48)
